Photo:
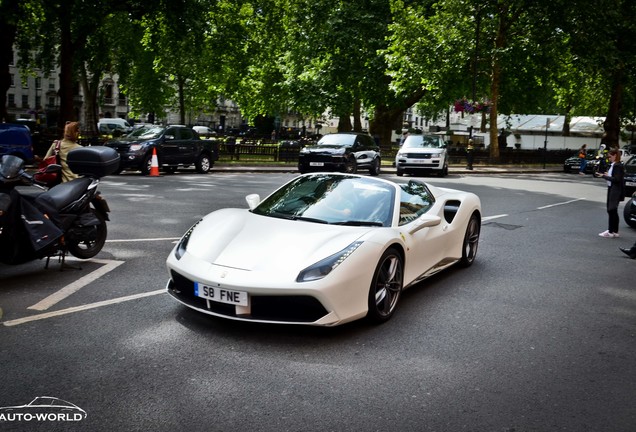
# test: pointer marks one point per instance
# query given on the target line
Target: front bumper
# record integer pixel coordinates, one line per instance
(337, 298)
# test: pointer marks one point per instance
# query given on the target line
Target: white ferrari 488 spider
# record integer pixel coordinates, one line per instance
(324, 249)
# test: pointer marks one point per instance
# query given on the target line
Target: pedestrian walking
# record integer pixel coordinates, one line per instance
(68, 143)
(470, 155)
(615, 192)
(630, 252)
(582, 159)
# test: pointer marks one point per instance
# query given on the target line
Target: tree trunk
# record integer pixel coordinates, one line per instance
(344, 123)
(90, 88)
(67, 113)
(566, 121)
(612, 121)
(181, 84)
(357, 110)
(388, 118)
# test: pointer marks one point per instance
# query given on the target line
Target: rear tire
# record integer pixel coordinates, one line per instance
(471, 241)
(89, 248)
(203, 164)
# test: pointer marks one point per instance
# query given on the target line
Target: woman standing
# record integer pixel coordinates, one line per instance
(615, 192)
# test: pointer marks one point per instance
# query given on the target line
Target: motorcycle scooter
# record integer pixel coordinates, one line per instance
(67, 218)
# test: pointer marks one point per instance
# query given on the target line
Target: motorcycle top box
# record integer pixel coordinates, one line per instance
(95, 161)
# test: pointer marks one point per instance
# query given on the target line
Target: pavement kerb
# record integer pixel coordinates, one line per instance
(477, 169)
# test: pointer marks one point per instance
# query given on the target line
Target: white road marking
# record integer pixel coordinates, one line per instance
(487, 218)
(143, 240)
(81, 308)
(561, 203)
(77, 285)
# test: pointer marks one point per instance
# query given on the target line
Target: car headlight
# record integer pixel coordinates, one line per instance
(323, 267)
(399, 154)
(183, 243)
(135, 147)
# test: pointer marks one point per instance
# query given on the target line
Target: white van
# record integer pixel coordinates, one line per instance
(108, 126)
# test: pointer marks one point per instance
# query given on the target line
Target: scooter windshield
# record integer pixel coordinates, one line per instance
(10, 166)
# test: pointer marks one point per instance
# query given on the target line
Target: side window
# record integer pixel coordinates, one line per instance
(185, 134)
(415, 200)
(171, 132)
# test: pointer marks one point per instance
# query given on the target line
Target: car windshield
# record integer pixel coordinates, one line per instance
(332, 199)
(630, 165)
(147, 132)
(422, 141)
(337, 139)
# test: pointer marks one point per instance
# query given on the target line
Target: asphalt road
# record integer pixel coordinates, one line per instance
(538, 335)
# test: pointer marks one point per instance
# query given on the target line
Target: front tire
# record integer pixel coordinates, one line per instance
(88, 248)
(374, 170)
(351, 166)
(146, 166)
(386, 286)
(471, 241)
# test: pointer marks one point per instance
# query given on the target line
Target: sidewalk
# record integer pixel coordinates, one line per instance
(453, 169)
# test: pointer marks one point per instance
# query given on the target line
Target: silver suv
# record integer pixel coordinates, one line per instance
(423, 153)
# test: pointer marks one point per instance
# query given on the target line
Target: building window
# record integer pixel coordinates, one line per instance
(38, 83)
(51, 102)
(11, 100)
(25, 101)
(51, 85)
(12, 80)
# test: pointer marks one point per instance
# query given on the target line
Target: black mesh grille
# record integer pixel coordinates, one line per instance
(293, 308)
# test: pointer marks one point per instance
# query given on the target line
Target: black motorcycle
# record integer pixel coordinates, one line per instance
(67, 218)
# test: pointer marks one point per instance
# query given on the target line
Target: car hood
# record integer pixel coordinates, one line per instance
(421, 150)
(127, 141)
(329, 149)
(237, 238)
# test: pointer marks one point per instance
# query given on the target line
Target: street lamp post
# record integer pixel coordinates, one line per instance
(545, 143)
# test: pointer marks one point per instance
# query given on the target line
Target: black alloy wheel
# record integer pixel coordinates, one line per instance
(374, 169)
(351, 166)
(386, 286)
(146, 166)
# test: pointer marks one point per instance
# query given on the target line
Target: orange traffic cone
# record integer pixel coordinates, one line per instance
(154, 166)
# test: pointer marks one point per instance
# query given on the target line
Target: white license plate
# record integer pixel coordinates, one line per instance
(316, 164)
(220, 295)
(423, 161)
(631, 184)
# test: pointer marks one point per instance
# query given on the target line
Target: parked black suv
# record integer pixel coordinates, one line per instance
(346, 152)
(177, 146)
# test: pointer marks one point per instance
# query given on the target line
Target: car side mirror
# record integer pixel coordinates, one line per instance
(425, 221)
(253, 200)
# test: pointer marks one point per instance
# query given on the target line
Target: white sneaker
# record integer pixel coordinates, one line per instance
(606, 234)
(615, 235)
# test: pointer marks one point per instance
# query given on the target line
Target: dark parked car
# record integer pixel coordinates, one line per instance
(15, 139)
(176, 146)
(629, 212)
(630, 176)
(572, 164)
(346, 152)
